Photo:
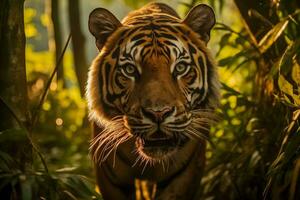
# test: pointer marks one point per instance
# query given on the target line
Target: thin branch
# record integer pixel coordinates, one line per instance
(35, 148)
(38, 109)
(12, 112)
(239, 34)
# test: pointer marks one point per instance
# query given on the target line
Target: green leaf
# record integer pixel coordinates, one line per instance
(289, 56)
(226, 61)
(224, 41)
(269, 39)
(229, 89)
(78, 186)
(287, 88)
(229, 61)
(296, 74)
(245, 61)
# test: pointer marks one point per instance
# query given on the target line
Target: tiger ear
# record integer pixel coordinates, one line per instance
(201, 19)
(102, 24)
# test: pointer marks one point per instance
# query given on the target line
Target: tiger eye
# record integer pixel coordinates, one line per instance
(129, 69)
(181, 68)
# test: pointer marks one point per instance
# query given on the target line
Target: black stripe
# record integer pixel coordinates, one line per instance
(152, 27)
(167, 52)
(131, 31)
(106, 72)
(165, 35)
(201, 63)
(169, 43)
(139, 42)
(112, 97)
(138, 36)
(118, 83)
(116, 53)
(192, 49)
(171, 29)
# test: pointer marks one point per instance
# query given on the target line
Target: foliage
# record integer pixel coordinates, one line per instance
(258, 141)
(33, 183)
(256, 144)
(53, 172)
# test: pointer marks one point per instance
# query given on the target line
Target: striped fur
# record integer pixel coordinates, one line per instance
(152, 60)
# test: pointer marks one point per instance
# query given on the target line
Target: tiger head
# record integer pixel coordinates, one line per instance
(153, 81)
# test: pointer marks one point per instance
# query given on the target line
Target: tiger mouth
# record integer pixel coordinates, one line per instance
(166, 142)
(159, 147)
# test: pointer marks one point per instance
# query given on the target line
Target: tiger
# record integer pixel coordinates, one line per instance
(152, 92)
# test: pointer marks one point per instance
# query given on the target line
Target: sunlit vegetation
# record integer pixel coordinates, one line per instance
(255, 145)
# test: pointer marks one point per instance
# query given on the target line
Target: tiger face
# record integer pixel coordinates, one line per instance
(153, 81)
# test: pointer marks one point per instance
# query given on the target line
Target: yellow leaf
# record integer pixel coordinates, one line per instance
(29, 13)
(272, 36)
(30, 30)
(296, 73)
(285, 86)
(288, 89)
(45, 19)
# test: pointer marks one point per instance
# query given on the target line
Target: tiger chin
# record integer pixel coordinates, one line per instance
(152, 93)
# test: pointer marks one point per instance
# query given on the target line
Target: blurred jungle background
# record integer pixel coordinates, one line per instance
(44, 127)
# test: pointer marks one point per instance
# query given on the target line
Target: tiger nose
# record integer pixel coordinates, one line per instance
(157, 115)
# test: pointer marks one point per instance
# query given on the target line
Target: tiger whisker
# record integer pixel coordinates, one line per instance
(197, 134)
(115, 145)
(180, 123)
(123, 139)
(99, 142)
(195, 129)
(139, 157)
(204, 121)
(109, 139)
(170, 162)
(177, 126)
(118, 117)
(200, 126)
(145, 166)
(176, 130)
(208, 115)
(190, 134)
(163, 165)
(112, 145)
(139, 127)
(203, 110)
(103, 141)
(103, 150)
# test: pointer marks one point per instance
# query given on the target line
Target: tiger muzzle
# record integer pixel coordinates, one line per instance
(156, 140)
(157, 115)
